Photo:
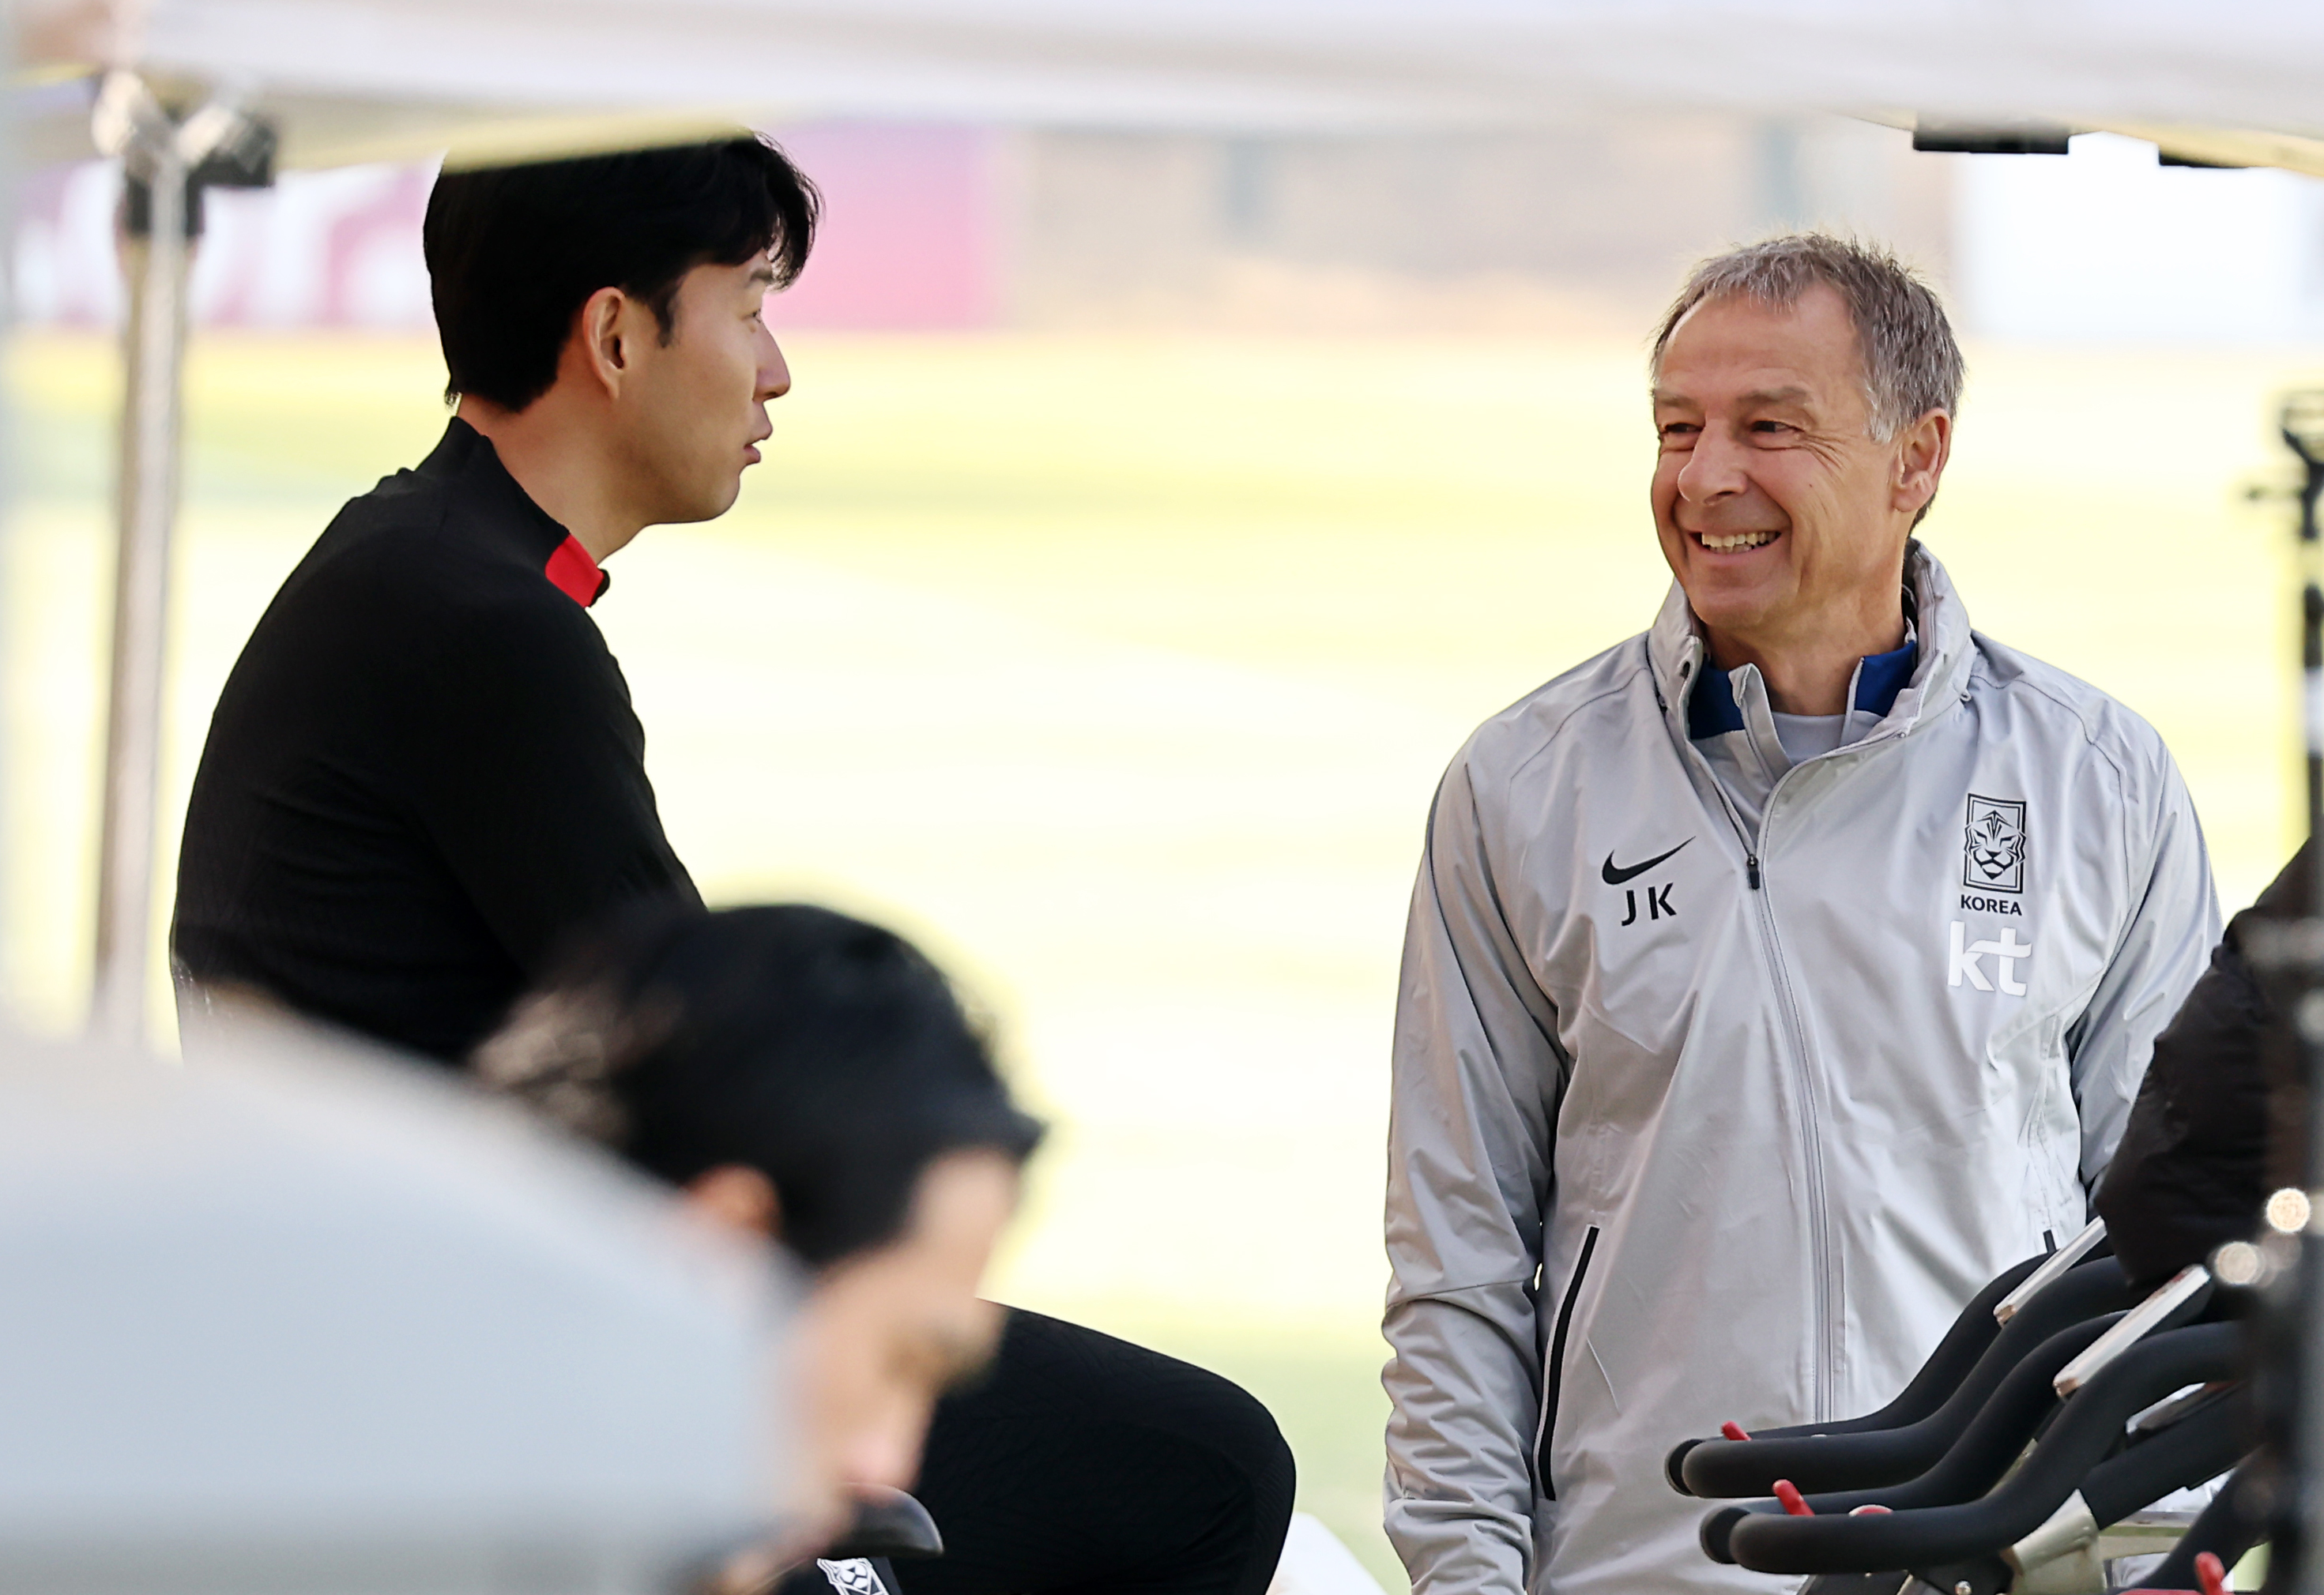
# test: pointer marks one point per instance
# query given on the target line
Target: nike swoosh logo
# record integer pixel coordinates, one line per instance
(1615, 877)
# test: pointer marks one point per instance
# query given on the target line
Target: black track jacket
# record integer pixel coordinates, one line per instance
(424, 769)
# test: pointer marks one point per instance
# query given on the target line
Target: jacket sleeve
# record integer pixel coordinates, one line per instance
(1477, 1077)
(2162, 951)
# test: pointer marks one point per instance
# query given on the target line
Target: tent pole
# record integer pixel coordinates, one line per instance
(159, 263)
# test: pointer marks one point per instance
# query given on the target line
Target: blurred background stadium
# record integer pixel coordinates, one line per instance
(1152, 516)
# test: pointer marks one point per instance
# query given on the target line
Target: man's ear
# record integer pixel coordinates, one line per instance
(1922, 451)
(738, 1196)
(604, 328)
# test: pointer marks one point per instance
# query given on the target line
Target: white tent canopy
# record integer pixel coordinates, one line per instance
(352, 79)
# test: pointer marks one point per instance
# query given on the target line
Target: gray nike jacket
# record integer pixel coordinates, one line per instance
(1704, 1114)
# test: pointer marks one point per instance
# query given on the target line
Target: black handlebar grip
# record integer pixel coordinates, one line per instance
(1716, 1526)
(1828, 1458)
(2058, 1465)
(1675, 1461)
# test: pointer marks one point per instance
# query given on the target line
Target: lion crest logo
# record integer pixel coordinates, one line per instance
(1994, 856)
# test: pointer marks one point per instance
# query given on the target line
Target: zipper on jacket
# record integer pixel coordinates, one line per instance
(1812, 1158)
(1818, 1224)
(1804, 1077)
(1553, 1375)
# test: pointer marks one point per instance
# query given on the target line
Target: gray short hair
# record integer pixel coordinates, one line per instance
(1911, 365)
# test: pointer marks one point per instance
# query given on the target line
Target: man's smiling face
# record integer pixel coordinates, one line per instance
(1779, 513)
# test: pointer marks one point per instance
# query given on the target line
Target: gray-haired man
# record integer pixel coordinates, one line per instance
(1772, 980)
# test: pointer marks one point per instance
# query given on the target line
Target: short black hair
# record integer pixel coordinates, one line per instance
(514, 251)
(828, 1053)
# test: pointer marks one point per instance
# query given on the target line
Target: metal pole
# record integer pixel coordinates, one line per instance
(158, 269)
(166, 164)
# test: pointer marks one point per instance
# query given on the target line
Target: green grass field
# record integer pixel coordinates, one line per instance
(1120, 671)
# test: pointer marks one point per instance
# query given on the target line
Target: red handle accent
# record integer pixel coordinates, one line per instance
(1870, 1510)
(2208, 1573)
(1733, 1430)
(1793, 1502)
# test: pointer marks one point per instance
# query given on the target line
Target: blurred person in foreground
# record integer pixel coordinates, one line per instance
(1772, 980)
(807, 1077)
(424, 773)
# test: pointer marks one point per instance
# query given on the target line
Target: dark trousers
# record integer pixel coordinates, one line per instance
(1079, 1462)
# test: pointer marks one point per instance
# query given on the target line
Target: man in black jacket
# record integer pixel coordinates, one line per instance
(424, 768)
(424, 774)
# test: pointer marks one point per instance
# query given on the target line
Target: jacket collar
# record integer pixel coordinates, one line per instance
(1677, 656)
(1711, 708)
(467, 461)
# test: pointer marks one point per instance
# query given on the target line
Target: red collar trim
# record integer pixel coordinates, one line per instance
(574, 574)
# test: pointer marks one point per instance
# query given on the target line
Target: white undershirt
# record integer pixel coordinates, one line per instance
(1804, 737)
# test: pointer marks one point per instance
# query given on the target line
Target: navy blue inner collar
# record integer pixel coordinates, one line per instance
(1710, 708)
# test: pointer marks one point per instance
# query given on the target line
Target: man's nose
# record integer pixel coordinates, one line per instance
(1714, 468)
(774, 375)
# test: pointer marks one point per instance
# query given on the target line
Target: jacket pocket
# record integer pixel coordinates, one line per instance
(1552, 1375)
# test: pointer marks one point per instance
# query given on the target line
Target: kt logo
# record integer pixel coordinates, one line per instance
(1968, 961)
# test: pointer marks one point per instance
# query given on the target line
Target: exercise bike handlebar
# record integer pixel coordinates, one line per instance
(1972, 1362)
(2053, 1267)
(1930, 1389)
(1967, 1468)
(2187, 1285)
(1767, 1540)
(2204, 1445)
